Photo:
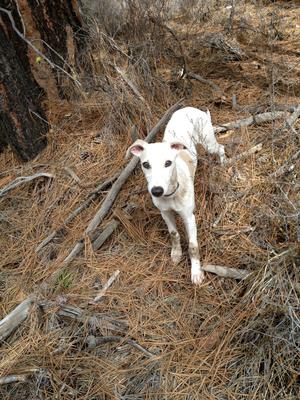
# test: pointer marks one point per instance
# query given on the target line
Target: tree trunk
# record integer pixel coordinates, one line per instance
(55, 28)
(22, 120)
(63, 38)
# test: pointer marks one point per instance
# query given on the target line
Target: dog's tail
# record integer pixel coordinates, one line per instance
(208, 114)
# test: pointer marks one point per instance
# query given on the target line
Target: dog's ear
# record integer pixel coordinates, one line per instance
(178, 146)
(136, 148)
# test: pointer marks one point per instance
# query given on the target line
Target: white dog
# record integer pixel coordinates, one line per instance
(169, 168)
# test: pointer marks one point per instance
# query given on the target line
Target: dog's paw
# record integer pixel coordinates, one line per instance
(197, 276)
(176, 255)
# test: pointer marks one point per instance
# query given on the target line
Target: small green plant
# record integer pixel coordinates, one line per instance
(64, 280)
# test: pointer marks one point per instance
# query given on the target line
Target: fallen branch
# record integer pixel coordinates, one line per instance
(9, 323)
(205, 81)
(23, 179)
(106, 286)
(98, 240)
(4, 380)
(80, 315)
(257, 119)
(112, 194)
(130, 84)
(245, 154)
(92, 196)
(226, 272)
(287, 166)
(93, 342)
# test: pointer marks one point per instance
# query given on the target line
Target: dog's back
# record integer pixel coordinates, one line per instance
(191, 126)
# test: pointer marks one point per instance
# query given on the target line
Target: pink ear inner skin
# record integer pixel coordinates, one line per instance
(178, 146)
(136, 150)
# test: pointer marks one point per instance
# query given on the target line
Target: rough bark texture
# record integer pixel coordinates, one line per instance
(20, 95)
(60, 27)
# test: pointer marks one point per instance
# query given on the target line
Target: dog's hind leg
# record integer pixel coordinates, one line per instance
(169, 219)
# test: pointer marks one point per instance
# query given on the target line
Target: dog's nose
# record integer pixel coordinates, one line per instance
(157, 191)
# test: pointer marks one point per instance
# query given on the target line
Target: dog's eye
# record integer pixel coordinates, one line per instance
(168, 163)
(146, 165)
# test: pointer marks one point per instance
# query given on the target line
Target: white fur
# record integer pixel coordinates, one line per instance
(187, 127)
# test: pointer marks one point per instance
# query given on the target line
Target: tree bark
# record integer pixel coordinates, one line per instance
(23, 123)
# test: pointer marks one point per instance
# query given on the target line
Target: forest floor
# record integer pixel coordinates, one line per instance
(226, 339)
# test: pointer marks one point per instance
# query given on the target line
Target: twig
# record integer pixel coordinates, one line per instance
(112, 194)
(52, 65)
(107, 285)
(73, 175)
(9, 323)
(23, 179)
(93, 341)
(130, 84)
(288, 166)
(226, 272)
(206, 81)
(257, 119)
(92, 196)
(245, 154)
(13, 378)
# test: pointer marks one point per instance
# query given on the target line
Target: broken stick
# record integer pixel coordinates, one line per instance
(9, 323)
(106, 286)
(226, 272)
(4, 380)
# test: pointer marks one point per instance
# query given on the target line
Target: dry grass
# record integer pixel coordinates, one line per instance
(224, 340)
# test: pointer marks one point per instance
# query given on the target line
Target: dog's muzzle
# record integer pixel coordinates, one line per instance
(157, 191)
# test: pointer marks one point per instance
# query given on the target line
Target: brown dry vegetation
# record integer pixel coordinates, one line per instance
(223, 340)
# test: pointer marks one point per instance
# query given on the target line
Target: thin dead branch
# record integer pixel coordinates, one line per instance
(205, 81)
(92, 196)
(245, 154)
(23, 179)
(287, 167)
(93, 342)
(107, 285)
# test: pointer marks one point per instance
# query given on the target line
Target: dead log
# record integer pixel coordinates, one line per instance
(9, 323)
(256, 119)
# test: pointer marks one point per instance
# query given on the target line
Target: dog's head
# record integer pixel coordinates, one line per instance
(158, 165)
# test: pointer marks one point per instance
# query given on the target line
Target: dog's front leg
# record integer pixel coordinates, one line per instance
(197, 274)
(169, 219)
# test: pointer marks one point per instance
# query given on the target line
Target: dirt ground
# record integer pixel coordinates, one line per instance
(226, 339)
